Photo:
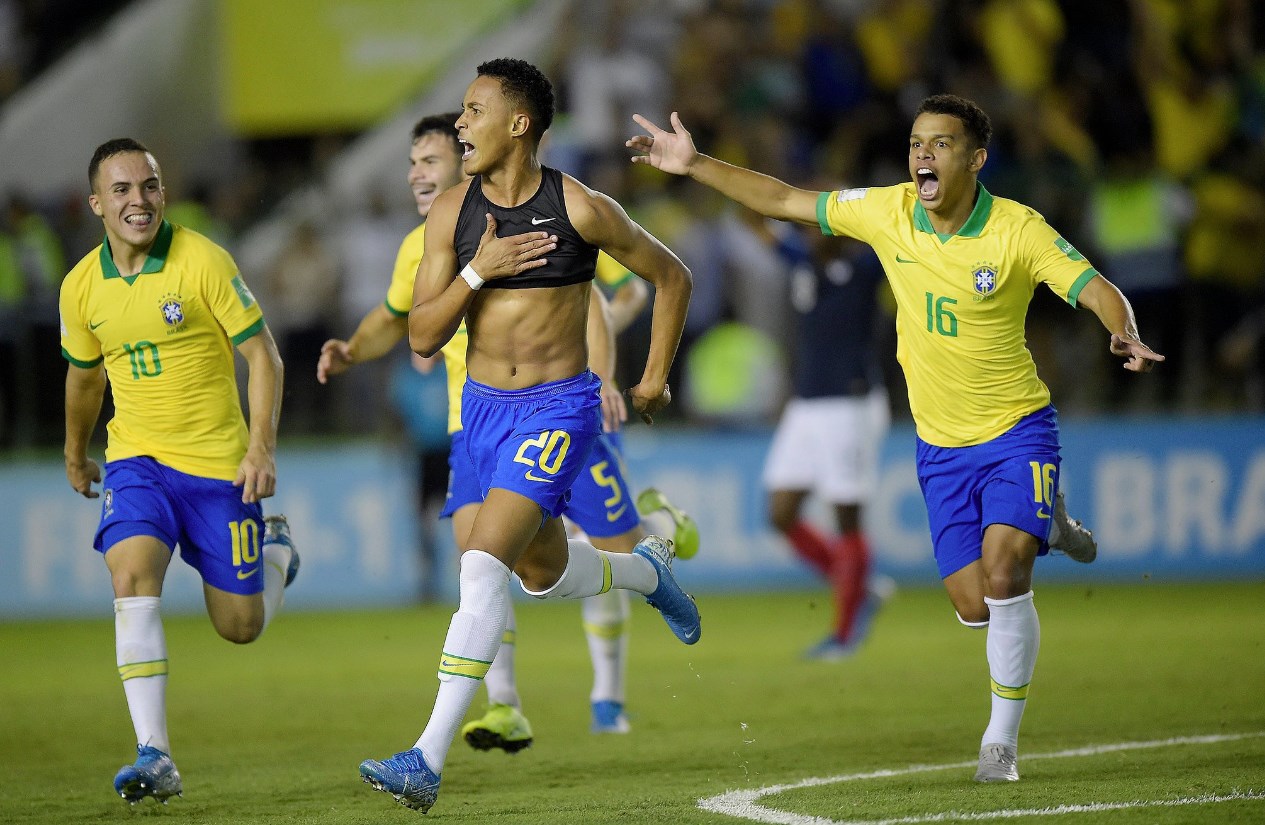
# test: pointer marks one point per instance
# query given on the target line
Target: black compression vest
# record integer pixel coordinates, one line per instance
(572, 262)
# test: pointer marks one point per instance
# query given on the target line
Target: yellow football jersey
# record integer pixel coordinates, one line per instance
(610, 273)
(961, 303)
(400, 301)
(166, 336)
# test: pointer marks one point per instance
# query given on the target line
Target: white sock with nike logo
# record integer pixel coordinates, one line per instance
(591, 571)
(474, 636)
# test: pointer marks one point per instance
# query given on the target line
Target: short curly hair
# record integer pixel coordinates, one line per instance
(442, 124)
(109, 149)
(974, 120)
(524, 85)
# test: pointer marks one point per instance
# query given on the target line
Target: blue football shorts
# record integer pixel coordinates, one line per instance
(218, 535)
(463, 481)
(601, 502)
(1011, 479)
(533, 441)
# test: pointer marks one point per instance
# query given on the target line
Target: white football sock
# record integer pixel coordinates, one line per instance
(474, 635)
(591, 571)
(606, 628)
(1014, 636)
(276, 561)
(659, 523)
(140, 650)
(501, 684)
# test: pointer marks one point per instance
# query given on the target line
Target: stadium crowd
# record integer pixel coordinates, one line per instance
(1135, 126)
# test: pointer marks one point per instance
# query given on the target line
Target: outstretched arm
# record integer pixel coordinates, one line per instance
(378, 332)
(1113, 309)
(674, 152)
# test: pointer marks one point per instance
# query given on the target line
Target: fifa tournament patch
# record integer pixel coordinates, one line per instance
(107, 502)
(1068, 250)
(243, 292)
(845, 195)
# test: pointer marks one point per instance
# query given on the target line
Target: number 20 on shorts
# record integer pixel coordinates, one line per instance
(551, 446)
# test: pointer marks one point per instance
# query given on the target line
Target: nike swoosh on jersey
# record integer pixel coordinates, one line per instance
(901, 260)
(539, 221)
(615, 515)
(528, 475)
(242, 575)
(1042, 514)
(93, 326)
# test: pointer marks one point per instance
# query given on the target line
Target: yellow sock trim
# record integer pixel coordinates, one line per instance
(605, 631)
(137, 670)
(510, 637)
(1005, 692)
(607, 579)
(461, 666)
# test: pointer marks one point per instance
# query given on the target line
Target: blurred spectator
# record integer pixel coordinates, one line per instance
(1021, 38)
(1183, 65)
(1137, 215)
(735, 376)
(37, 248)
(13, 50)
(194, 212)
(609, 75)
(304, 287)
(1225, 255)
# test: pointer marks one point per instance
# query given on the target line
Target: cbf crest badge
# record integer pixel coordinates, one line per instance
(172, 308)
(984, 279)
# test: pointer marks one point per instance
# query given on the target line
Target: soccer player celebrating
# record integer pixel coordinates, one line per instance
(600, 500)
(963, 265)
(157, 309)
(530, 405)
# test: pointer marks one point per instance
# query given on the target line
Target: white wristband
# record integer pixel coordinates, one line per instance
(471, 277)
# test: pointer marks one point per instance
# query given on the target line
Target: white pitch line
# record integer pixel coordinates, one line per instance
(743, 804)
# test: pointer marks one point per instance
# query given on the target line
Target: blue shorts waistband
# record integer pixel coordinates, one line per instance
(535, 393)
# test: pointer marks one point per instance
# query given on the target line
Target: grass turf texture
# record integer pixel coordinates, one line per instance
(273, 732)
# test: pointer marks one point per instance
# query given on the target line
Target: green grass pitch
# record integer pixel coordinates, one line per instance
(273, 732)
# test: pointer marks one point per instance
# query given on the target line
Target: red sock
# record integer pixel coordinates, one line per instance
(848, 575)
(811, 546)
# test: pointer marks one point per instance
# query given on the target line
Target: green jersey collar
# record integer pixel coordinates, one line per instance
(154, 261)
(974, 224)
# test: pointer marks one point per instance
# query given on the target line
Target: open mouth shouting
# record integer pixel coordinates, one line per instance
(928, 183)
